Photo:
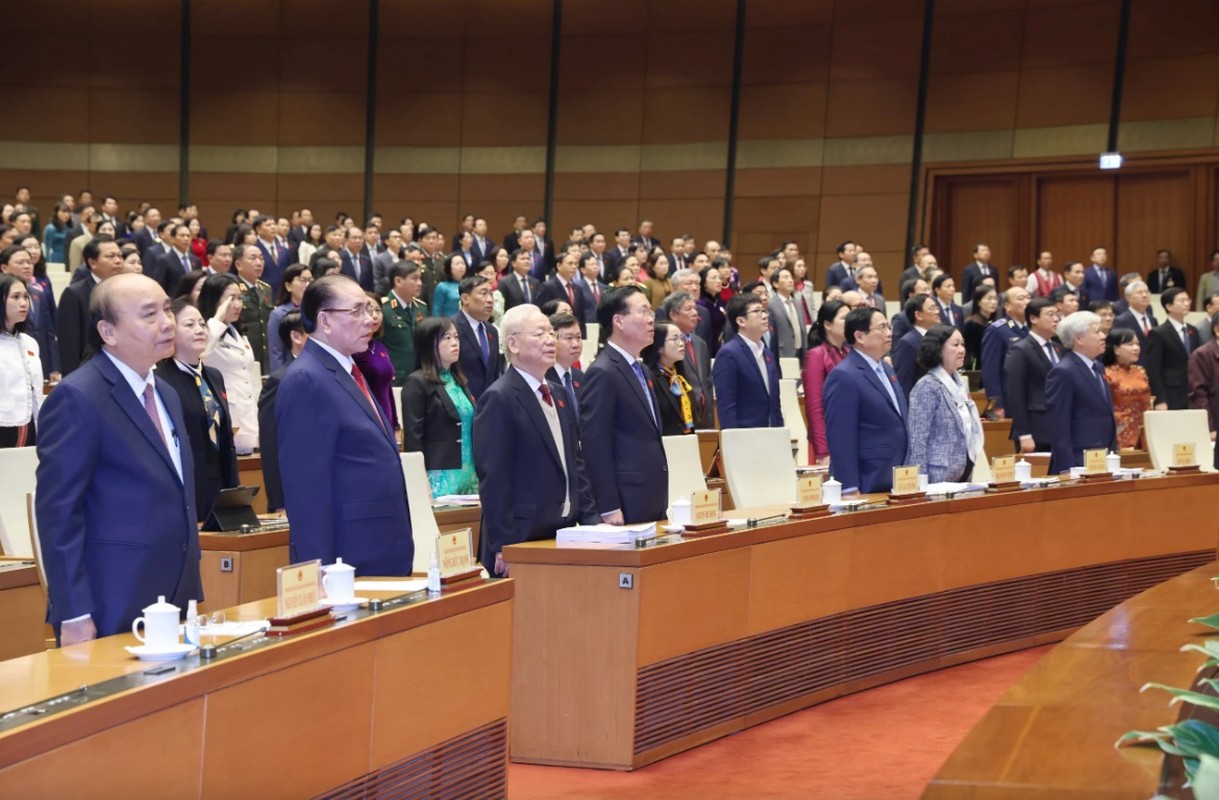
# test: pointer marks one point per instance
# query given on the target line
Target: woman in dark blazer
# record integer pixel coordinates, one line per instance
(437, 411)
(666, 357)
(211, 440)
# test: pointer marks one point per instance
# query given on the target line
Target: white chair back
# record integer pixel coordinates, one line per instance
(1166, 428)
(793, 417)
(589, 351)
(982, 471)
(789, 368)
(17, 465)
(423, 522)
(685, 466)
(759, 466)
(398, 400)
(35, 541)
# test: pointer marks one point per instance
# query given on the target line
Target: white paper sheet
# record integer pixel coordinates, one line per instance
(412, 585)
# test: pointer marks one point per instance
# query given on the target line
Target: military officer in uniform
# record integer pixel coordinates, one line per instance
(256, 301)
(998, 337)
(402, 310)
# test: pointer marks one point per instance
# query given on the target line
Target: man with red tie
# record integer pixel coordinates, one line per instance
(342, 477)
(562, 286)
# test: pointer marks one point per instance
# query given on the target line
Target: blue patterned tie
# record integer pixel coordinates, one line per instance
(637, 366)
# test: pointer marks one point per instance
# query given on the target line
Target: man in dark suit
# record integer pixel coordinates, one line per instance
(300, 231)
(116, 497)
(973, 273)
(481, 361)
(836, 274)
(110, 213)
(567, 354)
(205, 408)
(1077, 401)
(274, 254)
(1165, 275)
(645, 236)
(1025, 369)
(355, 261)
(169, 268)
(1168, 349)
(103, 259)
(562, 286)
(682, 310)
(293, 337)
(997, 340)
(519, 286)
(531, 477)
(619, 420)
(921, 314)
(745, 373)
(591, 286)
(1100, 281)
(944, 288)
(483, 246)
(1138, 315)
(342, 477)
(617, 254)
(865, 410)
(512, 239)
(543, 247)
(150, 233)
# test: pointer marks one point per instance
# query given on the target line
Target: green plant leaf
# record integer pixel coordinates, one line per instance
(1185, 695)
(1209, 647)
(1195, 736)
(1137, 738)
(1211, 622)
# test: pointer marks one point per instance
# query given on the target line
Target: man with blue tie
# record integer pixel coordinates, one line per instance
(1100, 281)
(1168, 349)
(274, 257)
(944, 290)
(1077, 400)
(570, 346)
(619, 420)
(356, 263)
(341, 473)
(745, 373)
(865, 409)
(116, 485)
(480, 358)
(531, 477)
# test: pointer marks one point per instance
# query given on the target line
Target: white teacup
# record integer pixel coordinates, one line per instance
(831, 492)
(339, 580)
(1024, 471)
(680, 512)
(160, 623)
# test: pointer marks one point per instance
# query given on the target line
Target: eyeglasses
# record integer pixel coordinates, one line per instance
(675, 339)
(761, 312)
(366, 311)
(881, 328)
(643, 311)
(543, 335)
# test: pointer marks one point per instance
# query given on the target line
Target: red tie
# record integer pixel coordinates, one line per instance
(571, 296)
(596, 293)
(545, 390)
(690, 352)
(1146, 325)
(359, 379)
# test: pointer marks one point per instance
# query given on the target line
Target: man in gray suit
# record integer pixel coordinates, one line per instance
(791, 328)
(682, 310)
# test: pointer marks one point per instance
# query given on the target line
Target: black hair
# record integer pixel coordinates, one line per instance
(1169, 295)
(1115, 339)
(186, 284)
(289, 323)
(448, 265)
(7, 282)
(914, 305)
(428, 334)
(613, 302)
(825, 316)
(740, 304)
(931, 349)
(290, 274)
(320, 292)
(1036, 306)
(213, 290)
(859, 321)
(471, 283)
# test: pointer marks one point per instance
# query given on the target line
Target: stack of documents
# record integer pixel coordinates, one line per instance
(607, 534)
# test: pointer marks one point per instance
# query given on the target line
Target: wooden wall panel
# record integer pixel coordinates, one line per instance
(1074, 215)
(981, 210)
(1154, 211)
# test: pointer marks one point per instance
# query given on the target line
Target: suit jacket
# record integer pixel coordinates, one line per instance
(971, 279)
(72, 325)
(866, 434)
(1024, 373)
(629, 470)
(698, 372)
(510, 288)
(167, 269)
(836, 274)
(268, 439)
(118, 525)
(997, 340)
(1080, 413)
(483, 253)
(790, 342)
(479, 375)
(1176, 277)
(366, 278)
(612, 258)
(142, 240)
(1126, 319)
(381, 265)
(430, 423)
(1167, 364)
(521, 479)
(1095, 289)
(577, 384)
(273, 268)
(553, 289)
(901, 326)
(590, 300)
(744, 400)
(342, 476)
(215, 466)
(958, 316)
(939, 444)
(543, 263)
(1204, 380)
(904, 356)
(398, 334)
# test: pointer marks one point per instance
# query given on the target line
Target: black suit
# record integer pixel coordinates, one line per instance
(522, 482)
(510, 288)
(142, 239)
(348, 268)
(167, 270)
(479, 376)
(971, 279)
(628, 471)
(591, 300)
(483, 253)
(215, 465)
(669, 404)
(1176, 278)
(553, 289)
(613, 257)
(958, 316)
(1025, 370)
(698, 371)
(72, 325)
(268, 440)
(1167, 364)
(1127, 319)
(577, 385)
(430, 423)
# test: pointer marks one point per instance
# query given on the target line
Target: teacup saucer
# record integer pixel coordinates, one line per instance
(342, 603)
(145, 653)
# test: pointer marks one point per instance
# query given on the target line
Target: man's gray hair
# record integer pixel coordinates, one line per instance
(673, 302)
(1073, 325)
(1133, 287)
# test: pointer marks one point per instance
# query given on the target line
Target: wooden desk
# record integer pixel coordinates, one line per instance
(249, 473)
(1052, 733)
(23, 609)
(454, 518)
(345, 710)
(717, 634)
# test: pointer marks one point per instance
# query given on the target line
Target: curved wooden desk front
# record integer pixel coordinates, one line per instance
(412, 697)
(718, 634)
(1051, 735)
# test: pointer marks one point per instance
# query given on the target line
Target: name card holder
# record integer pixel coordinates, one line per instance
(706, 515)
(1184, 459)
(808, 498)
(905, 487)
(1003, 470)
(1096, 467)
(297, 589)
(455, 554)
